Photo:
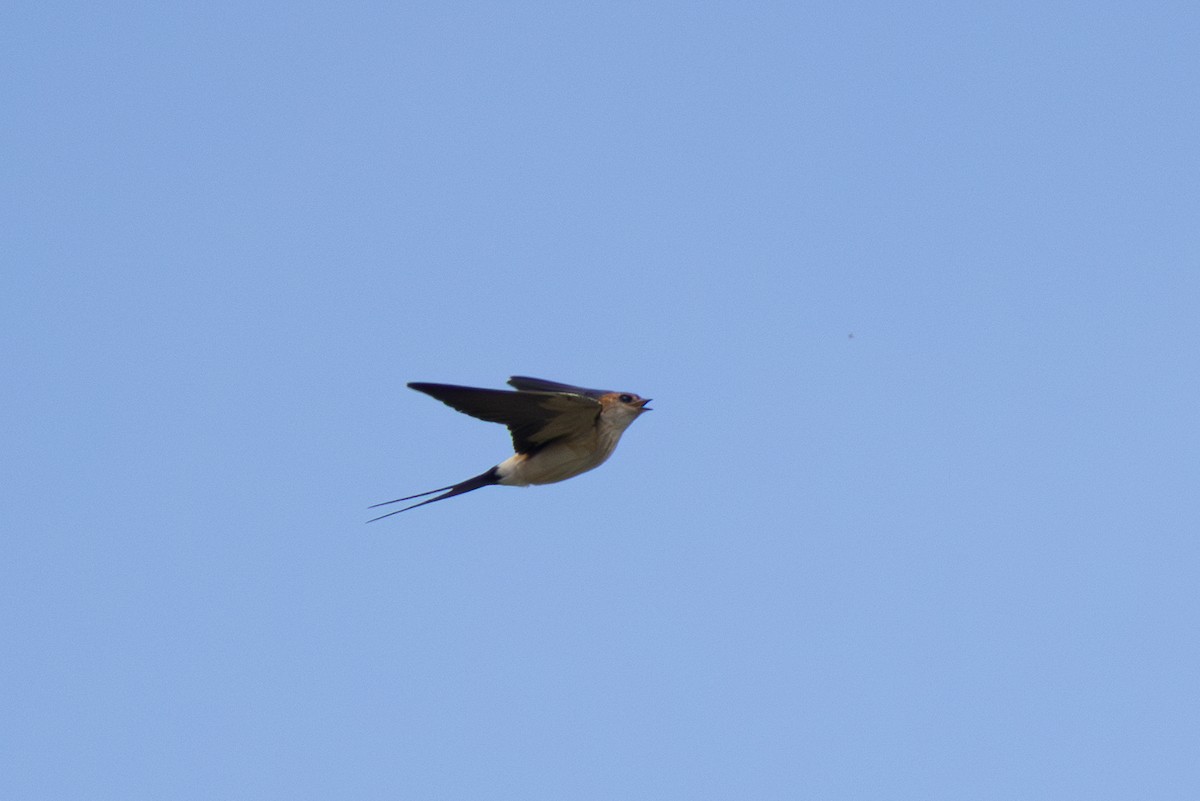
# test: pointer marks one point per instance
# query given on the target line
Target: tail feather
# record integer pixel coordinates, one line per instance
(481, 480)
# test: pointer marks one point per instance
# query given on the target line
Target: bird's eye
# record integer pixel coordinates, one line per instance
(626, 399)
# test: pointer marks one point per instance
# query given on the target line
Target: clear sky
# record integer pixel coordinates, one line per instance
(915, 289)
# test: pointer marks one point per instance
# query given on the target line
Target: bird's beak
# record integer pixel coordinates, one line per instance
(642, 403)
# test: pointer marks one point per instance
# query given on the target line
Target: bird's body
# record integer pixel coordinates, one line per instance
(558, 430)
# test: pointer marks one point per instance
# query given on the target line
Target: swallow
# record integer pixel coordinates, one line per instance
(558, 431)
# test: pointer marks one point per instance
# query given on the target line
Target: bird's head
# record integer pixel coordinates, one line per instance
(622, 408)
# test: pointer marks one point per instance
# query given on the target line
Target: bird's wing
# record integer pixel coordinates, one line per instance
(534, 418)
(527, 384)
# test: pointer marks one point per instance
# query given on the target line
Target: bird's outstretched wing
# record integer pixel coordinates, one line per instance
(535, 418)
(527, 384)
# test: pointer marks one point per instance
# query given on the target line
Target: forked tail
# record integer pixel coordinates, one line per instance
(481, 480)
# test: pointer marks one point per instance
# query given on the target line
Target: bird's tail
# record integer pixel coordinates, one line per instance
(481, 480)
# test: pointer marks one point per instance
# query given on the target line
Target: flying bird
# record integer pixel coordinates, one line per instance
(558, 431)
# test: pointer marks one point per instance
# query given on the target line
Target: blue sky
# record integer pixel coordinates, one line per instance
(915, 289)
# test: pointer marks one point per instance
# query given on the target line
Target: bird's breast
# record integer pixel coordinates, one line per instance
(557, 461)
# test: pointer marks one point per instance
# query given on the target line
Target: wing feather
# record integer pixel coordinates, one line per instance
(527, 384)
(533, 418)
